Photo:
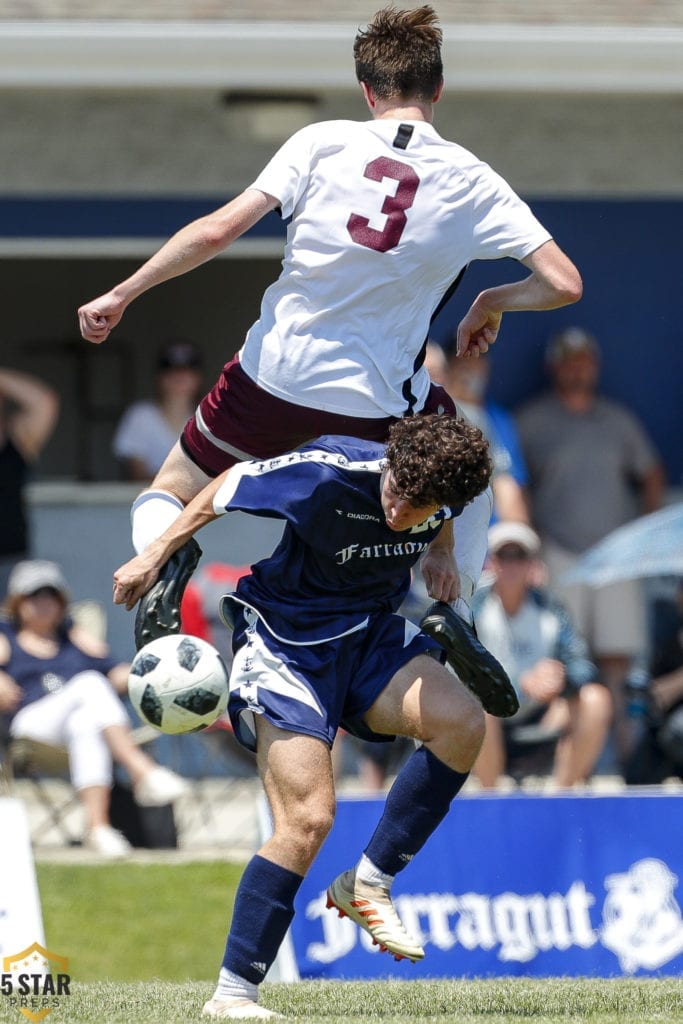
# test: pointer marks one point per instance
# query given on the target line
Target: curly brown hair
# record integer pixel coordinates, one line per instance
(438, 460)
(399, 54)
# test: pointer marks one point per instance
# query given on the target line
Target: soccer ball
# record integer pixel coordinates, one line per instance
(178, 684)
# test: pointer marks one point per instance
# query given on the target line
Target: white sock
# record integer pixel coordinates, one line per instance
(471, 543)
(463, 609)
(152, 513)
(231, 986)
(367, 872)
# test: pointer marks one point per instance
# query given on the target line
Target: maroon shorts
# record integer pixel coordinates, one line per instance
(238, 420)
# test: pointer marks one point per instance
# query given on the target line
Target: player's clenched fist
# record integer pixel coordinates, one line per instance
(97, 319)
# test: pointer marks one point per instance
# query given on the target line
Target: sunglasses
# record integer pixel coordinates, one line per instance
(512, 554)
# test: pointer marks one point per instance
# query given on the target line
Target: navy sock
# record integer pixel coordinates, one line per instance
(416, 804)
(264, 908)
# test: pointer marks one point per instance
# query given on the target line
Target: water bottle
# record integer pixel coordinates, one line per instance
(637, 692)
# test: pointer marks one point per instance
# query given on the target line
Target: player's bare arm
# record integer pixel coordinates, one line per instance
(133, 579)
(194, 244)
(439, 568)
(554, 281)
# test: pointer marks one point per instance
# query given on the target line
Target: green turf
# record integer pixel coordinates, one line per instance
(156, 933)
(506, 1001)
(128, 922)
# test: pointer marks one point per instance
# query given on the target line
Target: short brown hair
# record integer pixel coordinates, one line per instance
(438, 460)
(399, 54)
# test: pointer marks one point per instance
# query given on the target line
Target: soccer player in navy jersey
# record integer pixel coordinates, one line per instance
(318, 643)
(384, 217)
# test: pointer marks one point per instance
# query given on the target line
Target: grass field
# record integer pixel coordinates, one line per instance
(507, 1001)
(132, 922)
(144, 942)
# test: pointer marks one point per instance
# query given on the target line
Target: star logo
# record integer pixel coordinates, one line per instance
(34, 979)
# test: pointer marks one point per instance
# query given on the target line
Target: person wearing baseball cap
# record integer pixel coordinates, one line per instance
(148, 429)
(30, 577)
(592, 468)
(180, 355)
(517, 536)
(570, 342)
(531, 635)
(58, 687)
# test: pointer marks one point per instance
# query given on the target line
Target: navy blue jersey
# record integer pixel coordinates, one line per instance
(338, 561)
(39, 677)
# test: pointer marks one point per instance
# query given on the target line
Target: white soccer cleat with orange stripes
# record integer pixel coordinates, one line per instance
(370, 907)
(236, 1008)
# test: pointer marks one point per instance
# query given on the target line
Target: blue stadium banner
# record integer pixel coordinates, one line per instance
(543, 886)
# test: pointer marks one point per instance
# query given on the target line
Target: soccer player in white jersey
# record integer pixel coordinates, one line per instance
(318, 643)
(384, 217)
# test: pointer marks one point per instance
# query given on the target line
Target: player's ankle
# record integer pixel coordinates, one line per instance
(368, 872)
(232, 986)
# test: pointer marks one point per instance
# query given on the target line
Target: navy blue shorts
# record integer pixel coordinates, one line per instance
(237, 421)
(315, 688)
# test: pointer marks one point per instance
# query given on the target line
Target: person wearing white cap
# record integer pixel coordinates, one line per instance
(57, 687)
(531, 635)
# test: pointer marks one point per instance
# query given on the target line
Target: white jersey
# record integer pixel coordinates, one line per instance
(144, 433)
(385, 216)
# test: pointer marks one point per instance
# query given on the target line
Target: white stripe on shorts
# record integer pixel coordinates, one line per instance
(255, 668)
(216, 441)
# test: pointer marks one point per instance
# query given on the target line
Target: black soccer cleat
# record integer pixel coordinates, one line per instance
(158, 612)
(475, 666)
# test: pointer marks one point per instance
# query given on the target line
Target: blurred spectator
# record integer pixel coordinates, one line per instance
(586, 456)
(377, 763)
(466, 381)
(28, 413)
(57, 686)
(547, 660)
(657, 698)
(148, 430)
(436, 363)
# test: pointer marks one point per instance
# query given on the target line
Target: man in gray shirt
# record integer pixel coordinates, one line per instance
(591, 469)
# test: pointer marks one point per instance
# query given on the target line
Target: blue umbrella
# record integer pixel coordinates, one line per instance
(649, 546)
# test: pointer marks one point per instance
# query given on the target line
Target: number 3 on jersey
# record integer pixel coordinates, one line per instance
(394, 207)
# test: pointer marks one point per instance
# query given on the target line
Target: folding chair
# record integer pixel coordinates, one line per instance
(38, 763)
(5, 774)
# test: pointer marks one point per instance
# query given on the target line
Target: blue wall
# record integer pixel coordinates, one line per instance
(628, 252)
(629, 256)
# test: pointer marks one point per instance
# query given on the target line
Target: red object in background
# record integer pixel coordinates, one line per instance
(199, 611)
(199, 606)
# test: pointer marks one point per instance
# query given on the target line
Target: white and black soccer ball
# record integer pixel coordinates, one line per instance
(178, 684)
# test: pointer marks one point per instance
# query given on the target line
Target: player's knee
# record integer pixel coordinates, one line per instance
(312, 826)
(472, 724)
(462, 727)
